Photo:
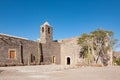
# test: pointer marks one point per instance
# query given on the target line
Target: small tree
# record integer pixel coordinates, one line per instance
(86, 51)
(102, 44)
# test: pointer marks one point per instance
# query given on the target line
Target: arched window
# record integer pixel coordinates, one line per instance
(42, 29)
(49, 30)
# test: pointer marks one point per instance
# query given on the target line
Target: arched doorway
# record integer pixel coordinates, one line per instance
(53, 59)
(68, 60)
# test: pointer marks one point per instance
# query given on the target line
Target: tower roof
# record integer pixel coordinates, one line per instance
(46, 23)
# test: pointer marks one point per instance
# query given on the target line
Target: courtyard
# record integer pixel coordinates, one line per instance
(59, 72)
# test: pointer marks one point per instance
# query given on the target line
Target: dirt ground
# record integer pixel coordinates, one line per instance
(59, 72)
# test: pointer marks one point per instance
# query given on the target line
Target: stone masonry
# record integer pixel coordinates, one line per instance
(21, 51)
(27, 52)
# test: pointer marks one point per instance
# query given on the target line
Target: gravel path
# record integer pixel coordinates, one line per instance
(59, 72)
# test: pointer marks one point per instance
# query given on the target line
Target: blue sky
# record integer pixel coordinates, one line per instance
(69, 18)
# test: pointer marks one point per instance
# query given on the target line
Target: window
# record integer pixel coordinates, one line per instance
(12, 54)
(49, 30)
(42, 29)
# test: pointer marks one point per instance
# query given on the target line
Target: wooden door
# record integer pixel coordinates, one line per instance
(12, 54)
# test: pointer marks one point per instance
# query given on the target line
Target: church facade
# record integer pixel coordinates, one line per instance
(21, 51)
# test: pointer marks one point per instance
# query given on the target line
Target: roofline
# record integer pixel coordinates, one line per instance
(13, 36)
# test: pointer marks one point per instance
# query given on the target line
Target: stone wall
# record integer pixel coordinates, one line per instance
(26, 51)
(70, 49)
(23, 50)
(51, 50)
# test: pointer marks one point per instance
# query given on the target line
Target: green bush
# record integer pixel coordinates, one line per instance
(118, 61)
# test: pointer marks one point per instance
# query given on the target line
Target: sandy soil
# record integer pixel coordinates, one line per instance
(59, 72)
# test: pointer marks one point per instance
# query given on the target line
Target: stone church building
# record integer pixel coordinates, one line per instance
(20, 51)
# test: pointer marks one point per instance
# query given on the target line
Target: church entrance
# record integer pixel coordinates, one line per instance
(53, 59)
(68, 60)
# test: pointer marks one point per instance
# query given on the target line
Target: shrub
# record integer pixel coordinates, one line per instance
(118, 61)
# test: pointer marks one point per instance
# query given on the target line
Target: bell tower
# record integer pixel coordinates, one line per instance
(46, 32)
